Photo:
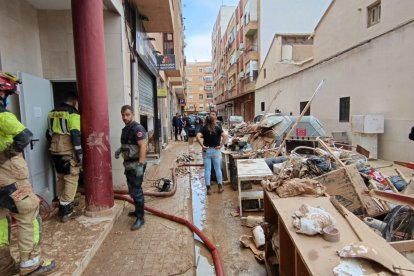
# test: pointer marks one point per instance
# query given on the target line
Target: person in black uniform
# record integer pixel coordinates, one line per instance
(133, 149)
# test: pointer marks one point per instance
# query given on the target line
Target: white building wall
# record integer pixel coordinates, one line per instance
(293, 16)
(378, 79)
(225, 14)
(58, 57)
(19, 38)
(336, 32)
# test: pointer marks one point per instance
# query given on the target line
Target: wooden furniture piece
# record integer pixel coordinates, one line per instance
(298, 254)
(251, 169)
(233, 157)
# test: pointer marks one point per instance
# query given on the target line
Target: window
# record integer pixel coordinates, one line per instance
(200, 96)
(200, 88)
(209, 95)
(168, 43)
(200, 69)
(189, 69)
(262, 106)
(200, 78)
(190, 96)
(208, 88)
(344, 106)
(189, 78)
(209, 70)
(190, 87)
(208, 78)
(374, 13)
(302, 107)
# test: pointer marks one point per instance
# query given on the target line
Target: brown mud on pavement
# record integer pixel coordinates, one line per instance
(212, 214)
(160, 247)
(163, 247)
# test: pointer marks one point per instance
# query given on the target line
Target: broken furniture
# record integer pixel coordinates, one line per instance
(247, 170)
(290, 253)
(233, 158)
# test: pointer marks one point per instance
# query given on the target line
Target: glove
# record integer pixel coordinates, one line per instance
(117, 153)
(80, 160)
(141, 169)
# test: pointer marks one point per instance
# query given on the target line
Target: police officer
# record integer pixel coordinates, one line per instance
(65, 146)
(133, 149)
(16, 194)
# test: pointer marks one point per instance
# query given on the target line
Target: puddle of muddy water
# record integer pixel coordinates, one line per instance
(204, 262)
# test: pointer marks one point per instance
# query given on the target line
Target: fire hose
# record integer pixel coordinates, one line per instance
(122, 195)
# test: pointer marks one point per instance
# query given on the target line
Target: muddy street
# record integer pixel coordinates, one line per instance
(163, 247)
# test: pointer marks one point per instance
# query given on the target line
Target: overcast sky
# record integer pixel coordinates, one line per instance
(200, 16)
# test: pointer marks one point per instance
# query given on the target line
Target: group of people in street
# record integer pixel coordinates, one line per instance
(211, 138)
(182, 125)
(17, 197)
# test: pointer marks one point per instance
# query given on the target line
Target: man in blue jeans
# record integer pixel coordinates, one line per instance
(211, 138)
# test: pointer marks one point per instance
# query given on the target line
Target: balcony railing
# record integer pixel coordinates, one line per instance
(251, 28)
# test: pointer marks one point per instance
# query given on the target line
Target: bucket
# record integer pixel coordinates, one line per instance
(258, 236)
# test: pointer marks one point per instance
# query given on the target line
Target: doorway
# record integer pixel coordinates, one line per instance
(61, 89)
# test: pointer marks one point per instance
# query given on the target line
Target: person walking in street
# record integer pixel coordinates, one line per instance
(175, 125)
(133, 149)
(64, 136)
(180, 127)
(16, 193)
(211, 138)
(186, 125)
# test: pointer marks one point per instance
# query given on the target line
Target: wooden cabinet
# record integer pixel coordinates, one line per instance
(289, 253)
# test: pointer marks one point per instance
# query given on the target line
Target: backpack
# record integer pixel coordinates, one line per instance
(411, 135)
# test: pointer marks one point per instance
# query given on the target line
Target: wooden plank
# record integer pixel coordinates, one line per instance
(403, 246)
(320, 256)
(351, 194)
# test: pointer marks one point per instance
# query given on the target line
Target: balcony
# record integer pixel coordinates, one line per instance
(179, 91)
(248, 86)
(175, 81)
(251, 54)
(251, 28)
(156, 15)
(232, 70)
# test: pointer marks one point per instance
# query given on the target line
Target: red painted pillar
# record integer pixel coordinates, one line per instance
(88, 36)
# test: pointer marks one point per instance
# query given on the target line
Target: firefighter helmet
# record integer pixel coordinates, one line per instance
(9, 83)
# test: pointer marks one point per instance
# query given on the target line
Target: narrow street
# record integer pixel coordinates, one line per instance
(153, 250)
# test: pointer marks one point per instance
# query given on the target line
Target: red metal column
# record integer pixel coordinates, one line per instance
(88, 36)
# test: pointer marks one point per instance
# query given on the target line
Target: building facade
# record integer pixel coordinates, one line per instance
(39, 42)
(361, 49)
(199, 87)
(235, 60)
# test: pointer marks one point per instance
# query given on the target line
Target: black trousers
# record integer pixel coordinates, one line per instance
(135, 190)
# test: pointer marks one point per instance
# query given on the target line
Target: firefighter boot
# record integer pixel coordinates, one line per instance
(138, 223)
(47, 267)
(67, 213)
(8, 266)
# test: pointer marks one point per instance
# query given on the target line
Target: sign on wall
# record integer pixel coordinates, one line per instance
(166, 62)
(182, 102)
(162, 93)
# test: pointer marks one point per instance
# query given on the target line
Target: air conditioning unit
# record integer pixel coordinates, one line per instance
(241, 75)
(241, 46)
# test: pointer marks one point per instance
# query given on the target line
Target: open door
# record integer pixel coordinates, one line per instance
(36, 100)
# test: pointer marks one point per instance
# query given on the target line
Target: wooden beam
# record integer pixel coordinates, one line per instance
(393, 197)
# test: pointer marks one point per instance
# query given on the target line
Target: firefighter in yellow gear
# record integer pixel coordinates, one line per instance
(65, 146)
(16, 194)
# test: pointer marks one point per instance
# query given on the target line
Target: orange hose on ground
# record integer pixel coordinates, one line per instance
(214, 251)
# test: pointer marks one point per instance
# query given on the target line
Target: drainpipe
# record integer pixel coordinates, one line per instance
(88, 36)
(132, 70)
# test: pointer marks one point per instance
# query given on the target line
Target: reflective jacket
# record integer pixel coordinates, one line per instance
(14, 136)
(64, 121)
